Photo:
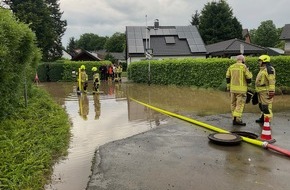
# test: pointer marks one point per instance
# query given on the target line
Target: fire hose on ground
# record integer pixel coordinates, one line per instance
(263, 144)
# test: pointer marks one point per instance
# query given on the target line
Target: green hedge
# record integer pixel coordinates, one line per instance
(200, 72)
(19, 56)
(62, 70)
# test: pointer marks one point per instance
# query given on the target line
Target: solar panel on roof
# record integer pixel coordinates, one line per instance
(193, 48)
(131, 42)
(130, 29)
(159, 32)
(186, 29)
(191, 42)
(166, 31)
(188, 35)
(181, 35)
(198, 41)
(139, 49)
(132, 49)
(138, 35)
(201, 48)
(172, 31)
(139, 42)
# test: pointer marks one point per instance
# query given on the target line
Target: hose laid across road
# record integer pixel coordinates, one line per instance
(263, 144)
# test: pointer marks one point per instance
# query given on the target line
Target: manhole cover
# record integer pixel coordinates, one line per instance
(225, 138)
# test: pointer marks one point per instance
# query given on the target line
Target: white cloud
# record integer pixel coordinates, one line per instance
(105, 17)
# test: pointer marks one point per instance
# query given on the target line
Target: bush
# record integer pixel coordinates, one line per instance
(208, 73)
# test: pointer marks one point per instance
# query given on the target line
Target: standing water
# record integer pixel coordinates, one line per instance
(96, 120)
(111, 115)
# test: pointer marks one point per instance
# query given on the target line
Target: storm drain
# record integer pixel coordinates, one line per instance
(232, 138)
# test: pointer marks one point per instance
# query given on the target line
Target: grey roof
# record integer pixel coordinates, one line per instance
(85, 55)
(285, 34)
(275, 51)
(166, 40)
(233, 47)
(66, 55)
(118, 55)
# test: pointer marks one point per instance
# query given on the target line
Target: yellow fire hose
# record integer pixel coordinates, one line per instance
(263, 144)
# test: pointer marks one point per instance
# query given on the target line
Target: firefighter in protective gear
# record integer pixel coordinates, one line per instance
(238, 77)
(96, 80)
(82, 79)
(265, 87)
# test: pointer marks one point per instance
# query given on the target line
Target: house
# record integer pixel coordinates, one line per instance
(118, 56)
(160, 42)
(275, 51)
(66, 55)
(285, 35)
(84, 55)
(234, 47)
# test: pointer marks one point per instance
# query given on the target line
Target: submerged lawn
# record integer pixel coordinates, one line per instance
(30, 142)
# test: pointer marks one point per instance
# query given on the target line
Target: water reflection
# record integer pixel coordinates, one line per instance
(83, 106)
(111, 115)
(97, 106)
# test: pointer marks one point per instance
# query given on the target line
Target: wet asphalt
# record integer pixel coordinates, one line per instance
(178, 155)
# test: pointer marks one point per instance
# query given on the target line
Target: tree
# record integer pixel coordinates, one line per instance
(18, 59)
(195, 19)
(72, 45)
(116, 43)
(266, 35)
(44, 18)
(217, 23)
(91, 42)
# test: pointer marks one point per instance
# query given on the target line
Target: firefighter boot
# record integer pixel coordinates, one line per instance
(239, 123)
(261, 119)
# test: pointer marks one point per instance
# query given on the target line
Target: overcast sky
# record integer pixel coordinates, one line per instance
(105, 17)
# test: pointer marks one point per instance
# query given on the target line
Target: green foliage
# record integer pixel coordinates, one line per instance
(116, 43)
(30, 141)
(62, 71)
(72, 45)
(91, 42)
(18, 60)
(217, 23)
(206, 73)
(266, 35)
(195, 18)
(44, 18)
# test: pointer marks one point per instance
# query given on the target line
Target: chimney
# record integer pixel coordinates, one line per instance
(156, 24)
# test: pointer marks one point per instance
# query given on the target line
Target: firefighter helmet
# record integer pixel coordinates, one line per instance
(83, 67)
(265, 58)
(94, 69)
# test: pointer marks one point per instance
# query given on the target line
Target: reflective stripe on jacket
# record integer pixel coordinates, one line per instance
(265, 80)
(238, 76)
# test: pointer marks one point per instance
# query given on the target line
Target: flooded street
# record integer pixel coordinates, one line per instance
(111, 115)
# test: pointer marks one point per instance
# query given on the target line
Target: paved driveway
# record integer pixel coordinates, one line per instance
(178, 155)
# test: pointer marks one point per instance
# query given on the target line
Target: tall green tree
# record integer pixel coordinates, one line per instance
(116, 43)
(72, 45)
(266, 35)
(217, 23)
(91, 42)
(195, 19)
(44, 18)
